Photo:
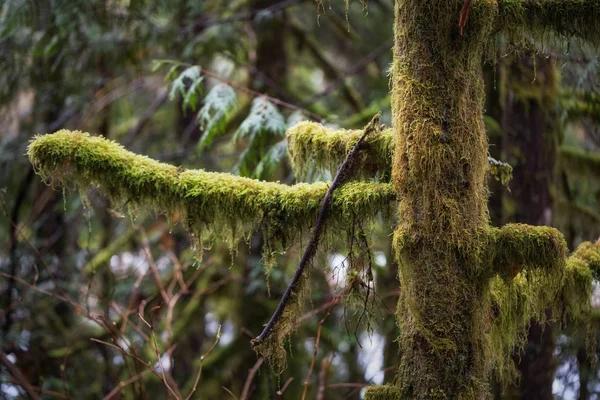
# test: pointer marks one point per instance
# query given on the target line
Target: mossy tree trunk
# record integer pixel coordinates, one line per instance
(530, 123)
(439, 173)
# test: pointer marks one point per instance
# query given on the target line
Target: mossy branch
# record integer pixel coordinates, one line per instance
(312, 145)
(579, 160)
(516, 247)
(291, 291)
(227, 205)
(567, 18)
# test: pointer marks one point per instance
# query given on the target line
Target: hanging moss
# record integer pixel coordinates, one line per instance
(312, 145)
(538, 295)
(567, 18)
(229, 206)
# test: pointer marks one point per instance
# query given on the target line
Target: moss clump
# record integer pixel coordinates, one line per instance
(566, 18)
(583, 266)
(311, 145)
(538, 295)
(518, 246)
(210, 201)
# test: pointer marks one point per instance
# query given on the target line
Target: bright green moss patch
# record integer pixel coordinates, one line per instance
(567, 18)
(518, 246)
(312, 145)
(208, 202)
(537, 295)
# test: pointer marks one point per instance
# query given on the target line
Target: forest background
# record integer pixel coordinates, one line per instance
(101, 303)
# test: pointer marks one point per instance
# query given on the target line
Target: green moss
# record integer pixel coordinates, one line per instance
(210, 204)
(226, 205)
(382, 392)
(566, 18)
(519, 246)
(312, 145)
(538, 296)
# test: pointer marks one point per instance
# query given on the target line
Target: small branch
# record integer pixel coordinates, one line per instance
(19, 377)
(373, 127)
(285, 385)
(216, 342)
(316, 349)
(251, 374)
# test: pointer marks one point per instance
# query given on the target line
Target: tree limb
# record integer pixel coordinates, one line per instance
(373, 127)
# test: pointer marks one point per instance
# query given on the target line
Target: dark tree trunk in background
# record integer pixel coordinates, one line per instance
(530, 143)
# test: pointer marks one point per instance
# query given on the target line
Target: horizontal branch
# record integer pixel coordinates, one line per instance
(516, 247)
(221, 203)
(567, 18)
(313, 145)
(573, 158)
(561, 294)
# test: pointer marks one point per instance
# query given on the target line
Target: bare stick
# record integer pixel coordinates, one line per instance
(372, 127)
(285, 385)
(251, 374)
(217, 340)
(19, 377)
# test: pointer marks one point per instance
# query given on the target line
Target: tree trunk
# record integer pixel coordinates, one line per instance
(439, 171)
(530, 88)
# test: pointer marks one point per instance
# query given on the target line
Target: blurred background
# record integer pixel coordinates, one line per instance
(97, 302)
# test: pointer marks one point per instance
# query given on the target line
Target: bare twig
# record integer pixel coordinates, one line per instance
(202, 358)
(19, 377)
(285, 385)
(315, 350)
(325, 364)
(373, 127)
(250, 378)
(122, 384)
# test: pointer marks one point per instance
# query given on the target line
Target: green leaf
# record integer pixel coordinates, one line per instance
(189, 85)
(215, 112)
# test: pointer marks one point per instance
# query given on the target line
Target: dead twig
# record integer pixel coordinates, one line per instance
(373, 127)
(202, 358)
(250, 378)
(19, 377)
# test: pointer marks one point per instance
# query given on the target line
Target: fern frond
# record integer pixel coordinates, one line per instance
(264, 118)
(189, 85)
(272, 159)
(215, 112)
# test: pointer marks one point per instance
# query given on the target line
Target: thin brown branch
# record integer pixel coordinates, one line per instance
(284, 387)
(372, 127)
(250, 378)
(19, 377)
(123, 384)
(202, 358)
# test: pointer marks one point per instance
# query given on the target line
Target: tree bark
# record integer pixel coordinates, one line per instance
(439, 168)
(530, 88)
